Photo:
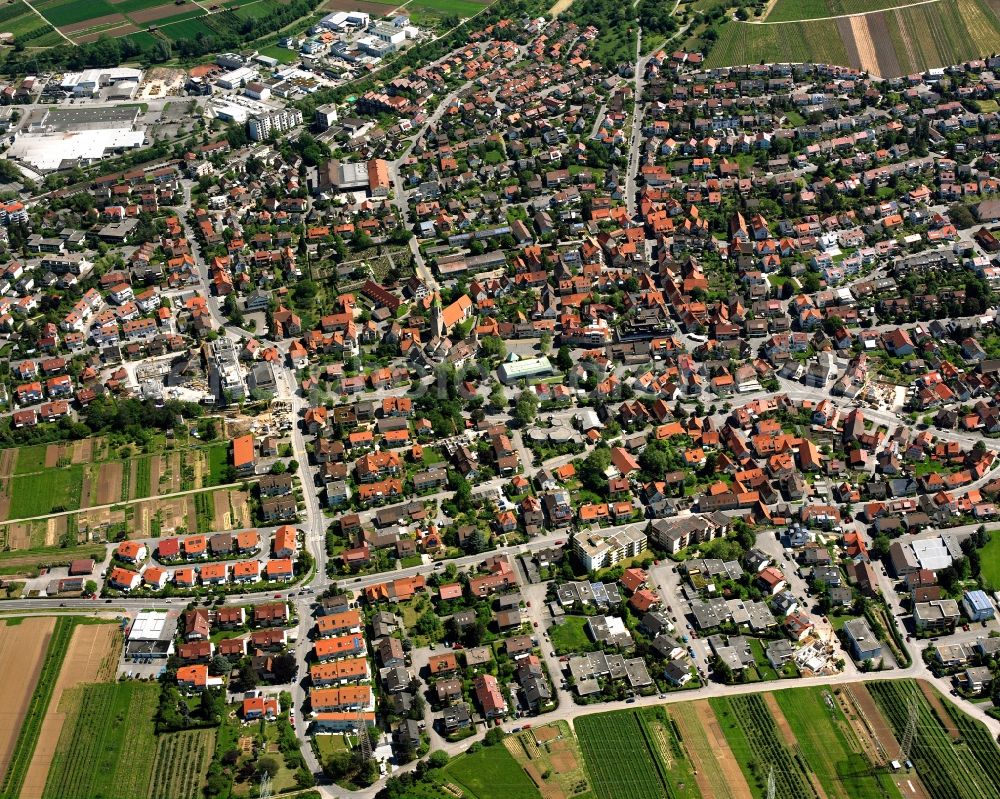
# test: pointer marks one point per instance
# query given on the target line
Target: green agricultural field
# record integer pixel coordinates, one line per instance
(460, 8)
(107, 746)
(491, 773)
(899, 41)
(69, 12)
(570, 636)
(755, 741)
(143, 476)
(743, 43)
(128, 6)
(831, 748)
(785, 10)
(949, 769)
(45, 492)
(31, 459)
(182, 760)
(184, 26)
(617, 750)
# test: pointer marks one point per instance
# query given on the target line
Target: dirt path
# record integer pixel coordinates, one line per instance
(92, 656)
(788, 737)
(716, 771)
(939, 709)
(22, 650)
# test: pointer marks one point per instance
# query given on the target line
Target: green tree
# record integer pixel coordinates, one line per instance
(269, 765)
(526, 407)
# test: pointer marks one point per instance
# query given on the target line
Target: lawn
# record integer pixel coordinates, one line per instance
(830, 746)
(989, 558)
(281, 54)
(570, 636)
(491, 773)
(107, 746)
(45, 492)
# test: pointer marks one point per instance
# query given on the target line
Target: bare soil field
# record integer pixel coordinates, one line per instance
(22, 650)
(716, 771)
(846, 35)
(92, 657)
(878, 30)
(109, 483)
(107, 19)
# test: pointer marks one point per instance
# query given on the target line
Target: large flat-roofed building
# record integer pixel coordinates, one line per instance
(523, 369)
(151, 635)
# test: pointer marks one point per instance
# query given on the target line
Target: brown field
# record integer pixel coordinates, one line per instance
(878, 29)
(22, 649)
(375, 9)
(92, 657)
(109, 483)
(158, 12)
(716, 771)
(83, 25)
(844, 29)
